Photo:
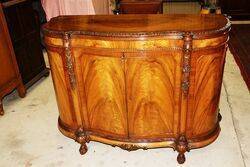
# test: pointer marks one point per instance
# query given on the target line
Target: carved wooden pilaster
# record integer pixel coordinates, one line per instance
(182, 147)
(186, 66)
(82, 138)
(69, 61)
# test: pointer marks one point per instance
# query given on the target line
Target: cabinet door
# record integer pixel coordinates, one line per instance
(103, 94)
(205, 88)
(152, 88)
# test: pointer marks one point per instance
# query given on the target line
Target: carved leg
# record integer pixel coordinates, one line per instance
(82, 138)
(1, 108)
(21, 90)
(181, 147)
(83, 149)
(181, 158)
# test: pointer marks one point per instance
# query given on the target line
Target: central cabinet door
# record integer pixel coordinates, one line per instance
(152, 89)
(131, 95)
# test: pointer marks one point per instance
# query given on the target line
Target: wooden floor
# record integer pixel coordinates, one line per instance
(240, 47)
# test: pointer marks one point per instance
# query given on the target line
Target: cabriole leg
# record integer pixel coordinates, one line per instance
(83, 149)
(181, 147)
(82, 138)
(181, 158)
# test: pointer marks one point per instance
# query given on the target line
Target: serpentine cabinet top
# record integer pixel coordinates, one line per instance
(175, 25)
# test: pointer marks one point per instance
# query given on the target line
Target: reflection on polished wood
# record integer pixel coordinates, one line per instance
(138, 81)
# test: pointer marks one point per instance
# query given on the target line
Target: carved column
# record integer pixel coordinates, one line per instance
(181, 142)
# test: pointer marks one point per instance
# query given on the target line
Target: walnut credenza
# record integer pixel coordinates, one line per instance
(138, 81)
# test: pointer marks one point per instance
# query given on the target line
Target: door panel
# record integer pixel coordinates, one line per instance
(61, 90)
(152, 84)
(104, 94)
(206, 88)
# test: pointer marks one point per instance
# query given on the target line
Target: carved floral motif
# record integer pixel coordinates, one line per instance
(186, 69)
(69, 61)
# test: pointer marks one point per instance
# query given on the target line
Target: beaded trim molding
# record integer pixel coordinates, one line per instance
(172, 34)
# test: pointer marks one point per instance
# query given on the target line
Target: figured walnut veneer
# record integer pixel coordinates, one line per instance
(138, 81)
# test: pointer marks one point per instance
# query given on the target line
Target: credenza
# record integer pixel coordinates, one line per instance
(10, 77)
(138, 81)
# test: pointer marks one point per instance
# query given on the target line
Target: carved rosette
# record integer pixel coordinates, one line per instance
(186, 66)
(69, 61)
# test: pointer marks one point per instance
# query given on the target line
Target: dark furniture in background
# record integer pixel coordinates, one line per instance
(24, 27)
(141, 6)
(37, 6)
(239, 45)
(9, 74)
(237, 9)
